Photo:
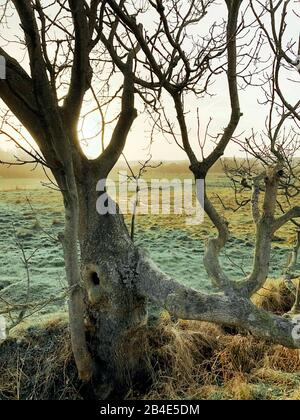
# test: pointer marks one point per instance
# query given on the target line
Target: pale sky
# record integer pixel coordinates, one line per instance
(216, 107)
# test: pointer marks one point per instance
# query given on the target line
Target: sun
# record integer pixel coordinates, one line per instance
(90, 135)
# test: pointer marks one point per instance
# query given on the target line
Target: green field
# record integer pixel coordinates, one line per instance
(174, 246)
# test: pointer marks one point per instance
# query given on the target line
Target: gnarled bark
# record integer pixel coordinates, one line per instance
(115, 309)
(234, 310)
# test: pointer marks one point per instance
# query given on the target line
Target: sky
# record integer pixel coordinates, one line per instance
(215, 107)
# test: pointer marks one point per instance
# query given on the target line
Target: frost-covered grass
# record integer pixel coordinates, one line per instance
(176, 247)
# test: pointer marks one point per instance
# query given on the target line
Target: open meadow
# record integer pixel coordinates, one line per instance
(196, 360)
(31, 216)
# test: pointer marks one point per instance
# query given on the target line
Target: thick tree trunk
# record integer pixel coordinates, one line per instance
(119, 279)
(115, 310)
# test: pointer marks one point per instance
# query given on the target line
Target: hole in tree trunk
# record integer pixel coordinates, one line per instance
(95, 279)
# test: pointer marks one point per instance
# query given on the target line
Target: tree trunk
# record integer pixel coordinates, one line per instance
(119, 279)
(115, 310)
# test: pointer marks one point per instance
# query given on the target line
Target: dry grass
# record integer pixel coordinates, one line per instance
(283, 359)
(198, 361)
(275, 297)
(178, 360)
(38, 365)
(295, 395)
(239, 389)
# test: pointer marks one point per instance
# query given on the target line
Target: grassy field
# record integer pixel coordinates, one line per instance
(228, 367)
(30, 214)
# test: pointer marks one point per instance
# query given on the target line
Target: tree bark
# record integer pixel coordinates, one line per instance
(76, 303)
(234, 310)
(115, 310)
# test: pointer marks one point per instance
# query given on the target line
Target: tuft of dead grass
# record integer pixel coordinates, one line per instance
(239, 389)
(295, 395)
(275, 297)
(283, 359)
(39, 365)
(199, 361)
(276, 377)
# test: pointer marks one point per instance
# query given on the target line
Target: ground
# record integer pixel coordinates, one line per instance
(185, 360)
(31, 215)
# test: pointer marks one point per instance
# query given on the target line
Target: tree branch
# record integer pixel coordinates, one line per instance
(264, 235)
(110, 156)
(232, 27)
(293, 213)
(17, 92)
(189, 304)
(81, 70)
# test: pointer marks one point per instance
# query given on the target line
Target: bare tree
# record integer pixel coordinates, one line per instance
(67, 44)
(265, 218)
